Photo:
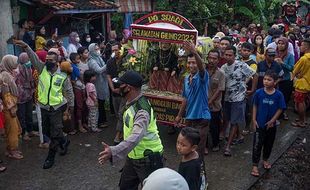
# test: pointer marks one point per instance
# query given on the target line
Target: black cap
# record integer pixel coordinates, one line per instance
(132, 78)
(271, 51)
(50, 43)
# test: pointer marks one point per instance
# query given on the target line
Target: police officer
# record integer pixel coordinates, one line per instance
(52, 83)
(142, 145)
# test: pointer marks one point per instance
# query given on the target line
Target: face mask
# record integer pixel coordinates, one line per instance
(28, 64)
(113, 55)
(88, 39)
(98, 52)
(77, 39)
(122, 92)
(50, 65)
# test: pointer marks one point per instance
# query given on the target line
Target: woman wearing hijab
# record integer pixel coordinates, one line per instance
(26, 88)
(96, 64)
(9, 95)
(287, 61)
(74, 43)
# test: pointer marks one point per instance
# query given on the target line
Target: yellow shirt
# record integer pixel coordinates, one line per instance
(302, 73)
(40, 43)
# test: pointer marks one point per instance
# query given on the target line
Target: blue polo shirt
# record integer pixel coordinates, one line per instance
(262, 67)
(267, 105)
(196, 95)
(75, 72)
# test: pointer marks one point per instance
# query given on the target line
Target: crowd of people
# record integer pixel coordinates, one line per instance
(245, 87)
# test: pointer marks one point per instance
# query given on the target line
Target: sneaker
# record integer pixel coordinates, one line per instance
(216, 148)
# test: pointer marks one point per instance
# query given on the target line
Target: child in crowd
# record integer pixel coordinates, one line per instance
(268, 103)
(191, 166)
(91, 100)
(78, 88)
(246, 51)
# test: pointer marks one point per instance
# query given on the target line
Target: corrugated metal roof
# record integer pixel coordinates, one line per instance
(135, 5)
(80, 6)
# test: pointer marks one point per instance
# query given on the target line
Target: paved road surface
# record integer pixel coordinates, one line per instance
(80, 170)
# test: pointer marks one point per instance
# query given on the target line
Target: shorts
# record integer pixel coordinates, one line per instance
(234, 112)
(300, 97)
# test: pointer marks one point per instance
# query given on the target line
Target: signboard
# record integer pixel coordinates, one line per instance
(164, 26)
(166, 109)
(165, 17)
(162, 35)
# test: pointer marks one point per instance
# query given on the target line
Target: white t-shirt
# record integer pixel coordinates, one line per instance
(71, 49)
(236, 76)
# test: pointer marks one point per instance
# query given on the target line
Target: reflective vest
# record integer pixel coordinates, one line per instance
(50, 88)
(151, 141)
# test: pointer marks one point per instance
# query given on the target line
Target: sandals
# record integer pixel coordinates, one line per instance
(26, 137)
(73, 132)
(227, 152)
(82, 130)
(297, 120)
(267, 166)
(2, 169)
(298, 124)
(255, 172)
(17, 155)
(285, 116)
(206, 152)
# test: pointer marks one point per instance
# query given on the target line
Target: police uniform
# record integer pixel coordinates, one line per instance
(52, 103)
(142, 146)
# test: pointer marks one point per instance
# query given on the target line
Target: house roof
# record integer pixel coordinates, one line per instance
(79, 6)
(135, 5)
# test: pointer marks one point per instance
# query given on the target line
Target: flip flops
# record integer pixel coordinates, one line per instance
(267, 166)
(17, 155)
(227, 152)
(297, 120)
(255, 173)
(2, 169)
(298, 124)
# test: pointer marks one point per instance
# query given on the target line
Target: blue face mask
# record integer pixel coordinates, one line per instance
(28, 64)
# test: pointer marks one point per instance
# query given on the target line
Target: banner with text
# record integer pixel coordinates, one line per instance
(163, 34)
(165, 109)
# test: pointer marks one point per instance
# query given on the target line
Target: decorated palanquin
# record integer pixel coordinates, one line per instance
(157, 39)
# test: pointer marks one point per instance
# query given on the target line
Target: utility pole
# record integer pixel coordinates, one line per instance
(6, 29)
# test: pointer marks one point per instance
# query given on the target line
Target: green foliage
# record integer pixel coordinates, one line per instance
(198, 12)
